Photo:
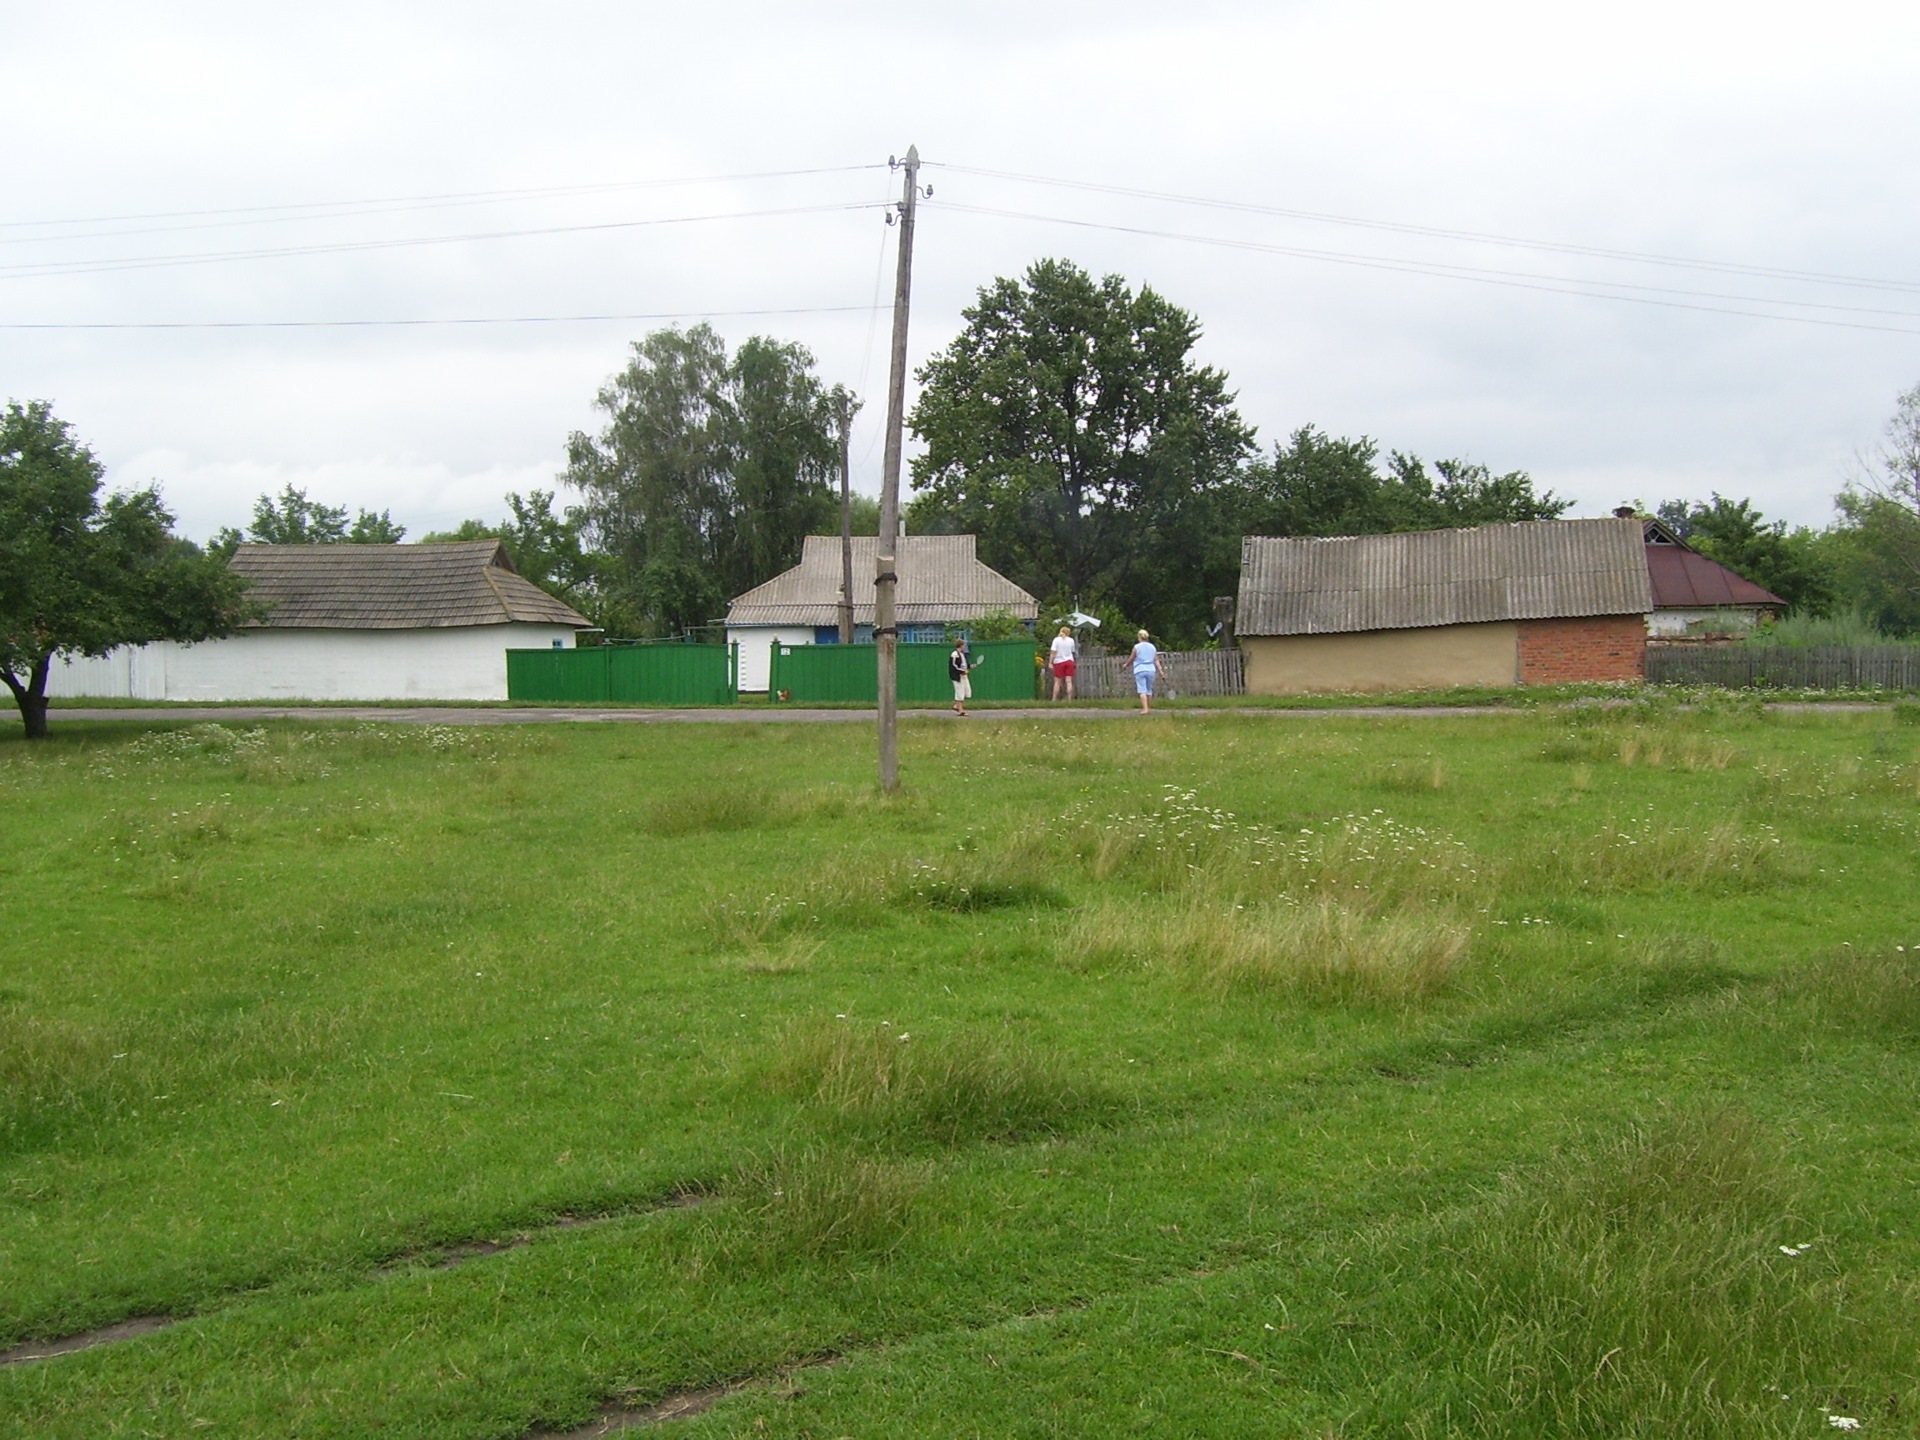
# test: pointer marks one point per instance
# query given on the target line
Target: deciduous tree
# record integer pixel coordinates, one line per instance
(1069, 428)
(1317, 484)
(293, 519)
(709, 471)
(1878, 532)
(79, 575)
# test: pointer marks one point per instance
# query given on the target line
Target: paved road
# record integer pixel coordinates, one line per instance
(538, 715)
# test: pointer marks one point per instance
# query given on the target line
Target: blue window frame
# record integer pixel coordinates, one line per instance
(830, 634)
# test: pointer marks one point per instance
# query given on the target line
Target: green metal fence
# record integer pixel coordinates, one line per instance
(627, 674)
(824, 674)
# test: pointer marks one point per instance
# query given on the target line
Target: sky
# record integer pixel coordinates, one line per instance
(1640, 251)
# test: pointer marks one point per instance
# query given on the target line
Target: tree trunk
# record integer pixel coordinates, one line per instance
(32, 697)
(33, 710)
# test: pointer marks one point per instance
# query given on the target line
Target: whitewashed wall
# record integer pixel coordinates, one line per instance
(466, 662)
(1666, 624)
(756, 649)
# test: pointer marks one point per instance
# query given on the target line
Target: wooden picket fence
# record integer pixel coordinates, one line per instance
(1182, 673)
(1786, 667)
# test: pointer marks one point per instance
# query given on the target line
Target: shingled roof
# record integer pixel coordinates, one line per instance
(394, 587)
(940, 580)
(1532, 570)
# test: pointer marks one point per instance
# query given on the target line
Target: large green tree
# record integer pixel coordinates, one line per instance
(1317, 484)
(293, 519)
(1069, 427)
(79, 575)
(1878, 533)
(709, 471)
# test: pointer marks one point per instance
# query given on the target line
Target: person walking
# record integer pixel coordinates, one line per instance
(959, 666)
(1064, 653)
(1146, 669)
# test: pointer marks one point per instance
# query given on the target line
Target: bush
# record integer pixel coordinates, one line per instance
(1843, 627)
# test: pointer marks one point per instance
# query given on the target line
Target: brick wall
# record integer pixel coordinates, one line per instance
(1591, 647)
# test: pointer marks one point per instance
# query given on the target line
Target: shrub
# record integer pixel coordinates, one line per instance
(1323, 949)
(903, 1087)
(1843, 627)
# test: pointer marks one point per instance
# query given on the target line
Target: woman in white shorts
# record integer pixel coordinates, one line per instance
(957, 667)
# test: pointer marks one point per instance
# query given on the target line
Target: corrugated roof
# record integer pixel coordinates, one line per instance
(940, 581)
(1685, 579)
(1532, 570)
(394, 587)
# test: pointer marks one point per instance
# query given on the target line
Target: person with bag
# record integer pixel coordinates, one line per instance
(958, 668)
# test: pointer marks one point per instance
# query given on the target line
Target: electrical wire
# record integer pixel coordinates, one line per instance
(1436, 232)
(155, 262)
(388, 205)
(1520, 280)
(475, 320)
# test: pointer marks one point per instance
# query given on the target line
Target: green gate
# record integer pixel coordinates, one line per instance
(848, 674)
(665, 674)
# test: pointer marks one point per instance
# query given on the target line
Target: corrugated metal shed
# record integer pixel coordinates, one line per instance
(394, 587)
(940, 580)
(1534, 570)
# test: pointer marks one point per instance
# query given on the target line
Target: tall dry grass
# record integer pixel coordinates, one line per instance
(892, 1085)
(1630, 853)
(1653, 747)
(804, 1204)
(1322, 949)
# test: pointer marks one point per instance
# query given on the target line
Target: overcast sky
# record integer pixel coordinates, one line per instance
(1773, 146)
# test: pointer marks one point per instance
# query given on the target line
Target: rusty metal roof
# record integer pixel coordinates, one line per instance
(394, 587)
(1683, 578)
(1531, 570)
(940, 581)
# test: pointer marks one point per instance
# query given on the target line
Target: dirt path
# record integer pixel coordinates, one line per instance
(541, 715)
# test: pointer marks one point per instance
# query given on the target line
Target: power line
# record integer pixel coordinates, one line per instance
(305, 210)
(154, 262)
(1520, 280)
(1436, 232)
(474, 320)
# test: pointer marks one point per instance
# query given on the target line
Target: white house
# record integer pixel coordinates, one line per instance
(350, 622)
(941, 584)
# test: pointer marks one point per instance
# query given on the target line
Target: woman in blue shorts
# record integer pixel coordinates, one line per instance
(1146, 668)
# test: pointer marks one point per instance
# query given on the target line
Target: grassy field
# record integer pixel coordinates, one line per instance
(1535, 1074)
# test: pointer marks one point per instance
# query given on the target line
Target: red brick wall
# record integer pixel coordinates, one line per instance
(1592, 647)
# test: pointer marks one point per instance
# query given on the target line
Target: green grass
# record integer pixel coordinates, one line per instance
(1220, 1075)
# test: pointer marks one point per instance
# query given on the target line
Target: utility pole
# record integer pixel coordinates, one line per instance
(843, 408)
(885, 579)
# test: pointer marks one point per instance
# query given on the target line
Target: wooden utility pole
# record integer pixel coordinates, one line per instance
(885, 632)
(843, 407)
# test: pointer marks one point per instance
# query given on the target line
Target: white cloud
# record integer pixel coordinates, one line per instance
(1760, 136)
